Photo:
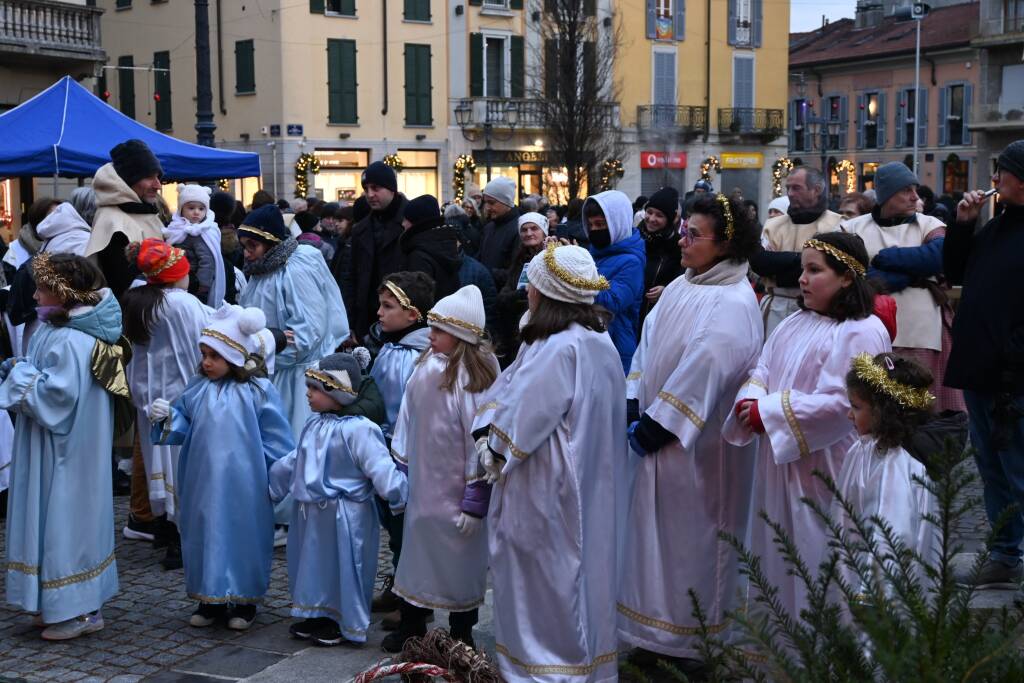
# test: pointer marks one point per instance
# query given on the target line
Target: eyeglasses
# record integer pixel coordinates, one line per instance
(691, 235)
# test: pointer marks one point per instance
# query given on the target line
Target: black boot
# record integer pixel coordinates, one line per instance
(413, 625)
(461, 625)
(160, 531)
(172, 558)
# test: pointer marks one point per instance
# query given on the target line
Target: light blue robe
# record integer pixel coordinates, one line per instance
(334, 538)
(60, 514)
(393, 368)
(301, 296)
(230, 433)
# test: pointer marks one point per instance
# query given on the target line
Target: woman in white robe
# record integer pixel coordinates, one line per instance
(796, 400)
(699, 345)
(555, 426)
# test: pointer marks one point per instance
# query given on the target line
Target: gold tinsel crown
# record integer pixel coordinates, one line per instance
(871, 373)
(46, 275)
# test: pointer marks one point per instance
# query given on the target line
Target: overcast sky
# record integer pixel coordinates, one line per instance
(805, 15)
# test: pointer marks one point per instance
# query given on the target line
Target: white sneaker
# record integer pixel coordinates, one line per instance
(72, 628)
(280, 536)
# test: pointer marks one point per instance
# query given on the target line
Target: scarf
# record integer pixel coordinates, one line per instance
(179, 229)
(804, 216)
(876, 213)
(138, 207)
(725, 272)
(272, 260)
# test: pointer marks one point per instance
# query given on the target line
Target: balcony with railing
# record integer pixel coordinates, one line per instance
(526, 114)
(685, 120)
(50, 30)
(996, 117)
(763, 124)
(1006, 29)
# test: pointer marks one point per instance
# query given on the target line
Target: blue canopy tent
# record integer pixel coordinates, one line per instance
(67, 131)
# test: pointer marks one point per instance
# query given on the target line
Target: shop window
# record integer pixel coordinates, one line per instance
(340, 173)
(867, 175)
(419, 172)
(954, 175)
(162, 81)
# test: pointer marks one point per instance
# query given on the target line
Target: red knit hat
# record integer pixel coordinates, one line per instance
(160, 262)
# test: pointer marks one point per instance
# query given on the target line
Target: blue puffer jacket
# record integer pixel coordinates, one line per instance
(622, 264)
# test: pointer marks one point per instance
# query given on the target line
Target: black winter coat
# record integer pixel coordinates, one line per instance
(432, 248)
(375, 255)
(499, 244)
(664, 256)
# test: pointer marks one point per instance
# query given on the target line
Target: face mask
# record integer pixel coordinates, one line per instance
(44, 313)
(600, 238)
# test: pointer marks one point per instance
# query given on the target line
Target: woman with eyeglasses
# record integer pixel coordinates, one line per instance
(697, 347)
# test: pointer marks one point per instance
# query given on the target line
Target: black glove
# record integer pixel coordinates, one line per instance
(651, 435)
(632, 410)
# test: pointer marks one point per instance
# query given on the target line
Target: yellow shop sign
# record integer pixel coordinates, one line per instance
(742, 160)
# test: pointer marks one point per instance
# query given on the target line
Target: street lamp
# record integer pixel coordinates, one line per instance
(823, 128)
(506, 117)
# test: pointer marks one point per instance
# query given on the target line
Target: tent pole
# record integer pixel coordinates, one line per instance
(54, 184)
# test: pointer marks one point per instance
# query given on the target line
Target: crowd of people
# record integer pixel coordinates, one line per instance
(574, 401)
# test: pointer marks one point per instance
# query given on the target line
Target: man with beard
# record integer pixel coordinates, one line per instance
(778, 263)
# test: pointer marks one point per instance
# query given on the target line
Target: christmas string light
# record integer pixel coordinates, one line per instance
(223, 184)
(394, 161)
(306, 163)
(464, 163)
(712, 162)
(846, 166)
(611, 171)
(780, 169)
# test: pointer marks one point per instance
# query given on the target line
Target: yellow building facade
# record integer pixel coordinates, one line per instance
(703, 83)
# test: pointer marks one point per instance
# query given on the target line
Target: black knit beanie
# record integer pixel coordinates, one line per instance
(1012, 159)
(421, 209)
(665, 200)
(134, 160)
(380, 174)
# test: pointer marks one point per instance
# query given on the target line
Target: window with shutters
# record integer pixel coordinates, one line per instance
(663, 96)
(417, 10)
(871, 117)
(245, 67)
(955, 115)
(503, 4)
(745, 19)
(162, 83)
(666, 19)
(345, 8)
(907, 113)
(798, 112)
(495, 61)
(417, 86)
(122, 4)
(126, 86)
(834, 111)
(341, 81)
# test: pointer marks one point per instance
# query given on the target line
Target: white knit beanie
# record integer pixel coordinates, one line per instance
(193, 193)
(503, 189)
(460, 314)
(566, 273)
(232, 332)
(780, 204)
(535, 218)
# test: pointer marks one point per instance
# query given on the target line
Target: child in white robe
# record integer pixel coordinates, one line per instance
(795, 404)
(194, 229)
(448, 497)
(334, 537)
(889, 399)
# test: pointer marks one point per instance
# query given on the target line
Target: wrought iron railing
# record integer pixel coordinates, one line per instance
(684, 118)
(502, 112)
(50, 25)
(751, 121)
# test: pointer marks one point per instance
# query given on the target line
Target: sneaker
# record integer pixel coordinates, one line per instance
(136, 530)
(280, 536)
(72, 628)
(241, 617)
(386, 600)
(206, 614)
(328, 634)
(997, 575)
(302, 630)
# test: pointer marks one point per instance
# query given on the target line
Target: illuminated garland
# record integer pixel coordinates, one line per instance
(223, 184)
(706, 166)
(611, 171)
(306, 163)
(780, 169)
(394, 161)
(462, 164)
(846, 166)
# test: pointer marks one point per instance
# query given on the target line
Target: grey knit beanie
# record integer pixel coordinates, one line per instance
(1012, 159)
(337, 375)
(892, 177)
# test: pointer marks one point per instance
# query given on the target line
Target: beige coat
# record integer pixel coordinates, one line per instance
(111, 192)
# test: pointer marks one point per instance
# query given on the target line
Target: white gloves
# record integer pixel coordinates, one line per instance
(468, 525)
(491, 466)
(159, 410)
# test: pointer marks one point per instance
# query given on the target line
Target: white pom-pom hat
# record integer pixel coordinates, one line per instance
(233, 332)
(460, 314)
(193, 193)
(566, 273)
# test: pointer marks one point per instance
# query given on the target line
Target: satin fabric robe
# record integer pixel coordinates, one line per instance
(334, 537)
(301, 296)
(557, 416)
(392, 369)
(433, 439)
(230, 433)
(882, 484)
(161, 369)
(60, 511)
(698, 350)
(800, 387)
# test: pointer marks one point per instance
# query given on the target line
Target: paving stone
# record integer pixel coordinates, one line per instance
(230, 660)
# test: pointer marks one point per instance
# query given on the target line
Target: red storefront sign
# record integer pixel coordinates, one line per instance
(662, 159)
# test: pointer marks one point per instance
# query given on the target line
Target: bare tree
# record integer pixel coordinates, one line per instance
(574, 87)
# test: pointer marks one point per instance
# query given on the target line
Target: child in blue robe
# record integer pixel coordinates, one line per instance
(231, 428)
(333, 538)
(60, 516)
(405, 298)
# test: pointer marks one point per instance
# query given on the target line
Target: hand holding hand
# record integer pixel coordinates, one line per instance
(743, 413)
(654, 293)
(159, 409)
(6, 367)
(487, 460)
(969, 208)
(468, 525)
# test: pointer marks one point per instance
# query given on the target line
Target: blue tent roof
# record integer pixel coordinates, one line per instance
(68, 131)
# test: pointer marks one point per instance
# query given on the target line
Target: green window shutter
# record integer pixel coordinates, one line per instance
(517, 67)
(341, 81)
(516, 4)
(126, 86)
(245, 67)
(550, 68)
(476, 65)
(316, 6)
(417, 86)
(475, 3)
(162, 81)
(417, 10)
(347, 7)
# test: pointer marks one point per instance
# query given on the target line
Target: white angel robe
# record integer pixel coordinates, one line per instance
(877, 483)
(433, 440)
(699, 349)
(301, 296)
(557, 416)
(800, 387)
(160, 369)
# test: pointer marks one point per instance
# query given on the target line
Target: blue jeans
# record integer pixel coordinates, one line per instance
(1002, 473)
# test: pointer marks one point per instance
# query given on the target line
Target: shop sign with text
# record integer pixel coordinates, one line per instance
(650, 159)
